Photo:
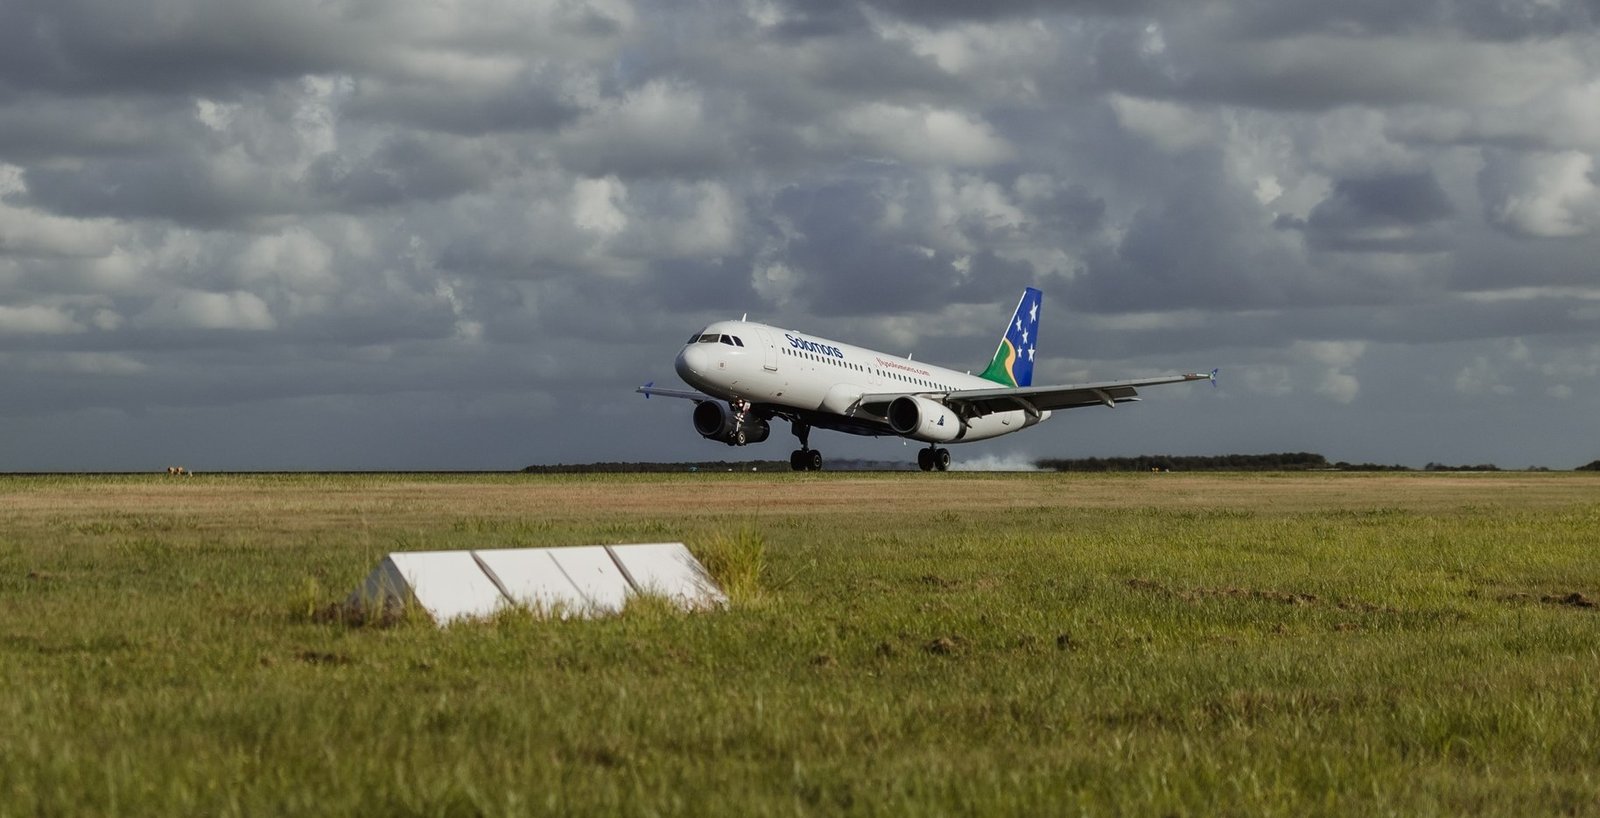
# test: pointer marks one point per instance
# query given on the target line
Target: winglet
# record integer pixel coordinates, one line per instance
(646, 389)
(1214, 372)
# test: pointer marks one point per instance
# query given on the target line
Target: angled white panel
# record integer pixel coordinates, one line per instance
(532, 577)
(582, 580)
(448, 584)
(670, 570)
(382, 585)
(595, 574)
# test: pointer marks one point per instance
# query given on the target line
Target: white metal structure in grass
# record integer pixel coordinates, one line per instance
(589, 580)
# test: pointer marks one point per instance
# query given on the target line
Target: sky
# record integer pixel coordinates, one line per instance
(456, 234)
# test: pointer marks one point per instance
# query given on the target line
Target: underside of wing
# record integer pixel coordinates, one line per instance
(649, 390)
(1065, 396)
(1032, 399)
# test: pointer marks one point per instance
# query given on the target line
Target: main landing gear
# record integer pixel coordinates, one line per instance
(804, 458)
(933, 458)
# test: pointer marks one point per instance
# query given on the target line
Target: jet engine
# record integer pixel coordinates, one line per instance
(715, 420)
(924, 420)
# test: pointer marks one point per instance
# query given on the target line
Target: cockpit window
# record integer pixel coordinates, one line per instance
(716, 338)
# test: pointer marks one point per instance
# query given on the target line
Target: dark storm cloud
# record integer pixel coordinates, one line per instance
(403, 169)
(100, 46)
(854, 268)
(1383, 214)
(944, 11)
(850, 268)
(141, 47)
(1479, 19)
(181, 189)
(528, 103)
(1201, 244)
(35, 128)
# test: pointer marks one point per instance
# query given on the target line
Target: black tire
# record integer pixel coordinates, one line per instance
(794, 461)
(925, 459)
(739, 438)
(814, 460)
(941, 459)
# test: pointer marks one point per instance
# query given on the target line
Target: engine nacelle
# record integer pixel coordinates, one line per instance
(924, 420)
(715, 420)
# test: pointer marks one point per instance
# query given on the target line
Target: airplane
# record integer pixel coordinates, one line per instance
(749, 375)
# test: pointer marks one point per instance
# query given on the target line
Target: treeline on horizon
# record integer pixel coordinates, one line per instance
(638, 468)
(1279, 461)
(1275, 461)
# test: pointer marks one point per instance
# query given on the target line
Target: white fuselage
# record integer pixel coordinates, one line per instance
(800, 371)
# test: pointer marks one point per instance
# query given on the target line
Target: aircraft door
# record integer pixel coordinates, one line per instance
(769, 351)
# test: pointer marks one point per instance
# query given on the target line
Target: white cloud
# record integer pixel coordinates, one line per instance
(294, 258)
(76, 363)
(1481, 377)
(924, 135)
(1167, 125)
(777, 282)
(25, 232)
(1331, 353)
(659, 127)
(196, 309)
(1543, 195)
(1337, 357)
(1274, 381)
(1339, 385)
(596, 205)
(36, 319)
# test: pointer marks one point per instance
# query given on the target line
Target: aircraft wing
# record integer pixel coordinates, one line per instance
(688, 394)
(977, 402)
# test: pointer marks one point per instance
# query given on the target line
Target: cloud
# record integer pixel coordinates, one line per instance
(193, 309)
(1338, 357)
(509, 212)
(1171, 127)
(923, 135)
(1388, 213)
(1541, 195)
(36, 319)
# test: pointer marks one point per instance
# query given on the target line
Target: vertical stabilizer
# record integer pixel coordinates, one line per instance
(1013, 360)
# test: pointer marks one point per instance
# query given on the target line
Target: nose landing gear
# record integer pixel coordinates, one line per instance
(933, 458)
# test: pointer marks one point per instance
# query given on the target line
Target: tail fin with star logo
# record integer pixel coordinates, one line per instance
(1013, 360)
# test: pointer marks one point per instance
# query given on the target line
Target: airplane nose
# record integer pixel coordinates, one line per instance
(691, 361)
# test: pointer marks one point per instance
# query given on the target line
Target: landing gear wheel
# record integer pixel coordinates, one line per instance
(925, 459)
(799, 460)
(813, 460)
(941, 459)
(739, 438)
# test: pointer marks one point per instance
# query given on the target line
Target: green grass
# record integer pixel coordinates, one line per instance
(898, 644)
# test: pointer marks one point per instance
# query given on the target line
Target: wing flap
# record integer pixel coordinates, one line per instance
(650, 389)
(975, 402)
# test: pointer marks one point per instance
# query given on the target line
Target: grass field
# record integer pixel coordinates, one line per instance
(1152, 644)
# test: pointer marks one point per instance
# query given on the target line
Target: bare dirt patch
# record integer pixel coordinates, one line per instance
(1263, 595)
(1574, 600)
